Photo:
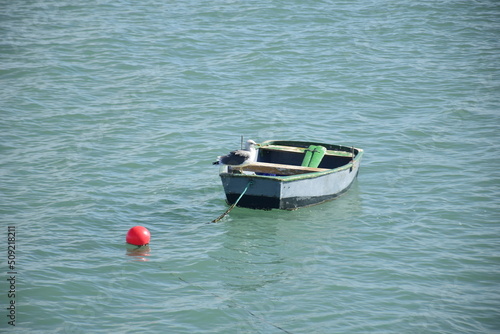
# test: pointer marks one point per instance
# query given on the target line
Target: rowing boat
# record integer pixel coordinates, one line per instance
(291, 174)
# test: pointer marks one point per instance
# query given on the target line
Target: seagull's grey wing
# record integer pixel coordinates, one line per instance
(235, 157)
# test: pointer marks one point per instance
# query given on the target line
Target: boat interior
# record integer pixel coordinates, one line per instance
(284, 160)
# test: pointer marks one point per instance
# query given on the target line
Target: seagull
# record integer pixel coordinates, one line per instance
(239, 157)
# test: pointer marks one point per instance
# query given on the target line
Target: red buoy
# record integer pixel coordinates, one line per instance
(138, 235)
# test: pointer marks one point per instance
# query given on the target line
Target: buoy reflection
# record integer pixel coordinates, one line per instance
(139, 253)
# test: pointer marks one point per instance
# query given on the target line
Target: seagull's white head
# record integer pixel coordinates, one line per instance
(250, 144)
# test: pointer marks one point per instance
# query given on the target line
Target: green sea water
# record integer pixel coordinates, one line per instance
(111, 113)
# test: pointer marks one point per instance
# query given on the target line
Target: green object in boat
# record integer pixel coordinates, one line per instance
(308, 155)
(313, 156)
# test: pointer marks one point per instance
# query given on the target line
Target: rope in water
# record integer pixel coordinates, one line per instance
(253, 314)
(234, 204)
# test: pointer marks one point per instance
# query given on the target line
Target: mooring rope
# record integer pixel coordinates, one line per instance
(234, 303)
(234, 204)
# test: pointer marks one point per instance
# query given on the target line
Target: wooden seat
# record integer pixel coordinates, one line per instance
(276, 169)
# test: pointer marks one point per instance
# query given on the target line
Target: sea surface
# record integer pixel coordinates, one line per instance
(111, 113)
